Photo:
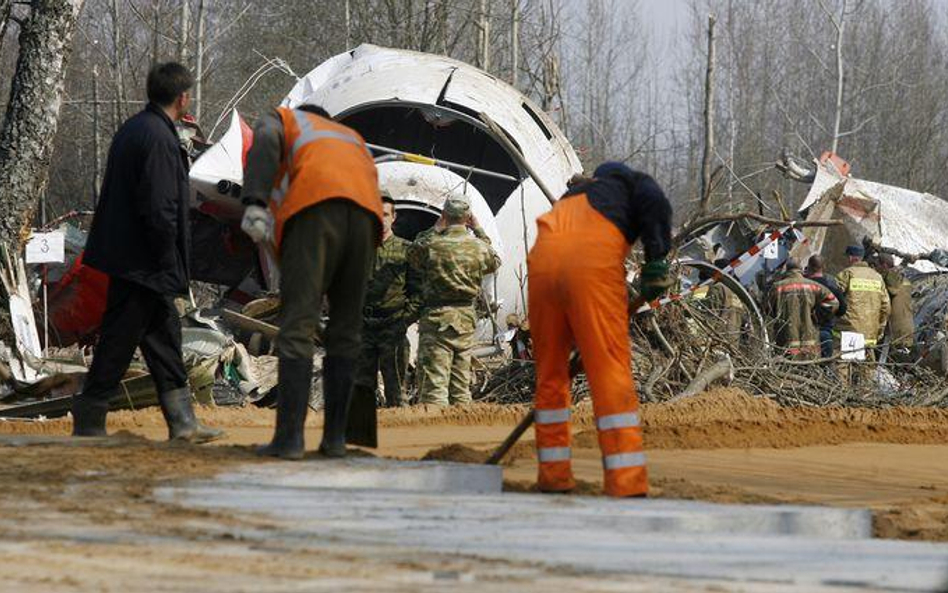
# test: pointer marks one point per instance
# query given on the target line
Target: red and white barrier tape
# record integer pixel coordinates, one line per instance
(751, 254)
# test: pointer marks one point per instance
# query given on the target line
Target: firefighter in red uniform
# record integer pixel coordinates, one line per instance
(578, 297)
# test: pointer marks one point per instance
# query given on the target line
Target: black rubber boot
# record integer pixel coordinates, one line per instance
(88, 416)
(183, 425)
(337, 388)
(295, 381)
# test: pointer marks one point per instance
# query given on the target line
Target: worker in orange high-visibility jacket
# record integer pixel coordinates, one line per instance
(578, 297)
(311, 190)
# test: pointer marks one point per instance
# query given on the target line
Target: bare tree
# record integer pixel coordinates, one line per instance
(483, 35)
(199, 60)
(708, 120)
(838, 21)
(32, 113)
(5, 7)
(514, 41)
(184, 31)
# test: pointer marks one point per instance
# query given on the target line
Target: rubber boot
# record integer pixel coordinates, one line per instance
(337, 388)
(183, 425)
(295, 381)
(88, 415)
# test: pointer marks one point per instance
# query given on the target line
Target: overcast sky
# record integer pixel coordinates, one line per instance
(665, 15)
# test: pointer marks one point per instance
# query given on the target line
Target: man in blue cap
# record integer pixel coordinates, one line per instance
(867, 301)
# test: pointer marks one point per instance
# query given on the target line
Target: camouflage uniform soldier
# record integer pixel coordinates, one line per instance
(452, 264)
(391, 305)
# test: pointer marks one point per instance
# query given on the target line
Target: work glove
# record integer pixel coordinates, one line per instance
(654, 280)
(258, 223)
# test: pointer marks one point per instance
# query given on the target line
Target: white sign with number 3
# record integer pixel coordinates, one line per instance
(46, 248)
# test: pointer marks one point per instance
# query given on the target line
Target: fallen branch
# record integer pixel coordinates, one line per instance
(704, 221)
(720, 370)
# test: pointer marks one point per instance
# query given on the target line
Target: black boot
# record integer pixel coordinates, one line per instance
(88, 416)
(182, 423)
(337, 388)
(295, 381)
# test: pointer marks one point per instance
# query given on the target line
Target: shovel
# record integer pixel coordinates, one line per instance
(362, 420)
(575, 367)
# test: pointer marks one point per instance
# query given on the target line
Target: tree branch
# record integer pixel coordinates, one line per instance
(704, 221)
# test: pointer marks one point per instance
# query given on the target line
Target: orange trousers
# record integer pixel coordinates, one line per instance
(578, 297)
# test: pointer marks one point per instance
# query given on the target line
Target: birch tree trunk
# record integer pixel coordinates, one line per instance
(26, 140)
(483, 43)
(838, 107)
(5, 7)
(199, 61)
(184, 31)
(514, 42)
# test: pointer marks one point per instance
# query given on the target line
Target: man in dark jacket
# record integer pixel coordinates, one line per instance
(139, 238)
(826, 319)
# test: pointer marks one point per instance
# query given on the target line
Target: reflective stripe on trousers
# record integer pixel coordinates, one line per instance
(623, 460)
(578, 299)
(551, 416)
(614, 421)
(552, 454)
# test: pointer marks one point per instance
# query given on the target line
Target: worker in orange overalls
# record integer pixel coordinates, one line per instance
(578, 296)
(311, 190)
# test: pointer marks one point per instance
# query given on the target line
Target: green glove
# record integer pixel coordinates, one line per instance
(655, 280)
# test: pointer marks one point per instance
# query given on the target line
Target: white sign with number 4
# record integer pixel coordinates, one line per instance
(852, 346)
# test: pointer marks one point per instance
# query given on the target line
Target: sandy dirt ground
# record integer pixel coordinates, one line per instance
(721, 446)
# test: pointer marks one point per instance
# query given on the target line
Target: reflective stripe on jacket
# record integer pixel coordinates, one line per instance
(867, 302)
(322, 160)
(794, 302)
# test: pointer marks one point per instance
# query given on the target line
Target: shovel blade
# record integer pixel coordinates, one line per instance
(362, 424)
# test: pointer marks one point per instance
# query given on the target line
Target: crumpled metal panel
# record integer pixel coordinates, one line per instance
(898, 218)
(371, 74)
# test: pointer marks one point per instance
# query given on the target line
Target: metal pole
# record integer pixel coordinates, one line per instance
(425, 160)
(45, 310)
(517, 156)
(45, 291)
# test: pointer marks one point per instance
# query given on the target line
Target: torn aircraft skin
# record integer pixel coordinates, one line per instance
(429, 107)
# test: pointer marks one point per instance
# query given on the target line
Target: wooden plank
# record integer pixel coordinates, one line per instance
(250, 324)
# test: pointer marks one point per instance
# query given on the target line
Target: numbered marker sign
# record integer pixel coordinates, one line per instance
(46, 248)
(772, 250)
(852, 346)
